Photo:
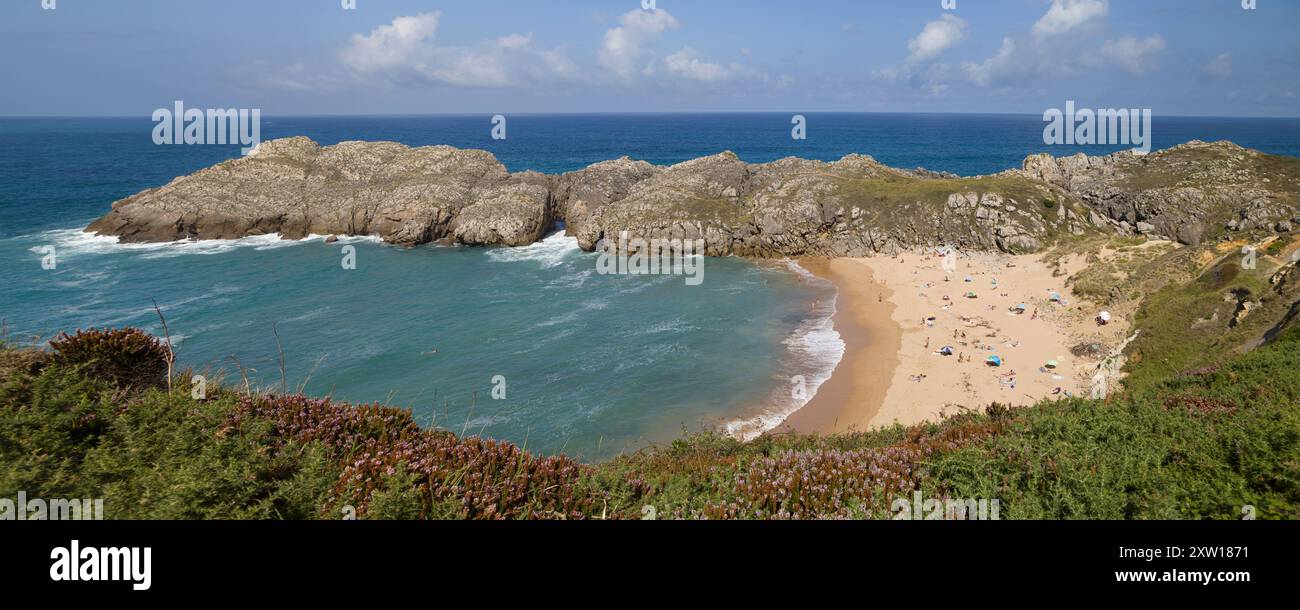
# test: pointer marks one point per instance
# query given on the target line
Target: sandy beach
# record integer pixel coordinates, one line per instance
(897, 314)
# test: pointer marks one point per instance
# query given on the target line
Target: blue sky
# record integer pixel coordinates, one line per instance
(128, 57)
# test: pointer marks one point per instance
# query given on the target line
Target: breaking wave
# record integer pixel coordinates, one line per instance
(77, 242)
(549, 252)
(813, 351)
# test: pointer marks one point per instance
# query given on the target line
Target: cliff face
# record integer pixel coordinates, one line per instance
(854, 206)
(1191, 193)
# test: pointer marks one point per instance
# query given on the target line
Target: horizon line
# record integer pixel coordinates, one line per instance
(628, 113)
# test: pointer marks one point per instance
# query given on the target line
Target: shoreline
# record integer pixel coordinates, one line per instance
(856, 389)
(894, 315)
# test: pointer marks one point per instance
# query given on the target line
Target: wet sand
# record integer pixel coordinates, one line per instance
(856, 390)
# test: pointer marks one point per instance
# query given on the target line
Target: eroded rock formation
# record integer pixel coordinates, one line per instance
(790, 207)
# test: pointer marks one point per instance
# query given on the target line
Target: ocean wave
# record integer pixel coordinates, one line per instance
(310, 315)
(570, 281)
(472, 426)
(549, 252)
(677, 325)
(77, 242)
(133, 315)
(813, 351)
(573, 315)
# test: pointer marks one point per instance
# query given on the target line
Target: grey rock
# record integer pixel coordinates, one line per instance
(294, 187)
(789, 207)
(1187, 192)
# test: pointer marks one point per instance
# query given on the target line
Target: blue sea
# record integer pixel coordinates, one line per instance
(590, 365)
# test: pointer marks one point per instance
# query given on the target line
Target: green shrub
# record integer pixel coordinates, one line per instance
(1203, 444)
(128, 358)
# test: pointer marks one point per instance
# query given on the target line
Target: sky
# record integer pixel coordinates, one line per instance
(316, 57)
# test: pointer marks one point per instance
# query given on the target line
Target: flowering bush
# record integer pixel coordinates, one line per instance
(1198, 446)
(487, 479)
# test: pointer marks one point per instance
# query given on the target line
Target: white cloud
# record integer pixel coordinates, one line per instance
(687, 64)
(466, 68)
(393, 45)
(997, 68)
(1133, 55)
(627, 50)
(1066, 15)
(628, 53)
(408, 46)
(937, 36)
(1221, 66)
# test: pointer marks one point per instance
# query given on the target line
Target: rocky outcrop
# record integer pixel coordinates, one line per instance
(851, 207)
(790, 207)
(1190, 193)
(294, 187)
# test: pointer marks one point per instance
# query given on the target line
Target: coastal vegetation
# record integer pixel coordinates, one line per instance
(1200, 444)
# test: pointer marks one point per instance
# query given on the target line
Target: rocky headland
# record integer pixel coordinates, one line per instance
(855, 206)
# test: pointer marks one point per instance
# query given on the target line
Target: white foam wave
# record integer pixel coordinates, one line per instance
(573, 315)
(76, 242)
(549, 252)
(570, 281)
(813, 351)
(672, 326)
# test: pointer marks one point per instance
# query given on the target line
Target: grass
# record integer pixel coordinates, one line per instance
(1194, 324)
(1135, 269)
(893, 189)
(882, 199)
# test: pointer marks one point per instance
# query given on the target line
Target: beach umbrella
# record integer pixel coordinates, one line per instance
(1056, 296)
(1021, 307)
(1104, 316)
(972, 295)
(995, 360)
(1051, 364)
(946, 350)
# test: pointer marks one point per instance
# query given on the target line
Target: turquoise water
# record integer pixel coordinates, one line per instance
(593, 365)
